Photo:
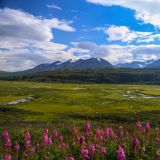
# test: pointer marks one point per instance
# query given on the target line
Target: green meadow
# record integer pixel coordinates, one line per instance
(57, 103)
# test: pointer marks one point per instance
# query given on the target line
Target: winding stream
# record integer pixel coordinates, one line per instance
(22, 100)
(139, 95)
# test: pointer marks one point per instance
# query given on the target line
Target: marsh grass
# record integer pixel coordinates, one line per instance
(76, 103)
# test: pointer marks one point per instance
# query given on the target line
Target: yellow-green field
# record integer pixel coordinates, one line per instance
(76, 103)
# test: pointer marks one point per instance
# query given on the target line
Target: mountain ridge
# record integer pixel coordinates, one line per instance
(155, 64)
(70, 64)
(135, 64)
(93, 62)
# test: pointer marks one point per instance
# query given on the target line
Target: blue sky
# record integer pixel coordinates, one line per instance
(34, 32)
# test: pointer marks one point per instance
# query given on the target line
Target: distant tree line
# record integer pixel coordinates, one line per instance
(114, 75)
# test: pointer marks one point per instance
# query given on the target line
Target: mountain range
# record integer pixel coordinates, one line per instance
(92, 70)
(90, 63)
(93, 63)
(70, 64)
(154, 64)
(136, 64)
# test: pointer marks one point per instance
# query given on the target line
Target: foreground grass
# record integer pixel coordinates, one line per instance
(75, 103)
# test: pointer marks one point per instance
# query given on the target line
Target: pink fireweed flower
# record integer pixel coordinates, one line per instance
(138, 125)
(98, 146)
(46, 130)
(8, 157)
(107, 132)
(50, 141)
(78, 139)
(84, 152)
(5, 133)
(27, 135)
(120, 153)
(135, 143)
(111, 133)
(92, 148)
(82, 139)
(74, 130)
(27, 139)
(71, 158)
(102, 132)
(88, 127)
(45, 139)
(17, 147)
(88, 134)
(27, 143)
(8, 142)
(61, 138)
(99, 138)
(103, 150)
(99, 134)
(147, 126)
(55, 133)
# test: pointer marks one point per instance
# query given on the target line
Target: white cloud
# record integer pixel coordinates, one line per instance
(146, 10)
(124, 34)
(116, 53)
(21, 56)
(24, 26)
(26, 40)
(54, 6)
(18, 56)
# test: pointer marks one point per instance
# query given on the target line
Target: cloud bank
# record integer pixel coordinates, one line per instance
(117, 53)
(124, 34)
(145, 10)
(26, 40)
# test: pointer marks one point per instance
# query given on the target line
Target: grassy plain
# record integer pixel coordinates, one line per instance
(75, 103)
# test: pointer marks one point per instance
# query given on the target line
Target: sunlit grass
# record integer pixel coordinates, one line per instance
(77, 102)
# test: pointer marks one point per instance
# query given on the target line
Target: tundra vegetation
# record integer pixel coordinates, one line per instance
(31, 113)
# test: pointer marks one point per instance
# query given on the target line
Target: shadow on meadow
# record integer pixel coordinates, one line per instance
(11, 113)
(119, 117)
(10, 116)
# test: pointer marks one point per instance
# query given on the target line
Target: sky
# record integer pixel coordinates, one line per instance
(33, 32)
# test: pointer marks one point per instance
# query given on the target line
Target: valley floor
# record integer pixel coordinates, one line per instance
(31, 103)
